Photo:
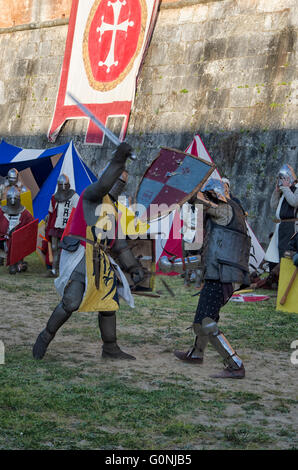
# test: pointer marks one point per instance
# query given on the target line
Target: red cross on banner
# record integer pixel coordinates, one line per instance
(105, 45)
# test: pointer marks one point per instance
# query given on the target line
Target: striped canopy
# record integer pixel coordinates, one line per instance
(40, 169)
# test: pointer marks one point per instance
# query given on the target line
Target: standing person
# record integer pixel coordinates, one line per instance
(228, 194)
(90, 279)
(61, 205)
(12, 181)
(225, 259)
(12, 217)
(284, 201)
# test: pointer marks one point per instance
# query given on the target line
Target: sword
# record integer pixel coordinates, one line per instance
(110, 135)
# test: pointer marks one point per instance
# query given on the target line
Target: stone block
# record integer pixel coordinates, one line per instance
(186, 16)
(240, 97)
(191, 33)
(200, 13)
(236, 46)
(157, 53)
(2, 93)
(214, 49)
(275, 5)
(182, 102)
(194, 52)
(161, 85)
(161, 103)
(45, 49)
(165, 32)
(218, 99)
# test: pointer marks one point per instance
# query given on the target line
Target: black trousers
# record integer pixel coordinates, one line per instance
(213, 296)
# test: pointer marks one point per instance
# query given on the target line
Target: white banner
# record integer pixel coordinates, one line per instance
(104, 49)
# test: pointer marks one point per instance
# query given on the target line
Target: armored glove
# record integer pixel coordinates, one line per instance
(137, 274)
(123, 151)
(295, 259)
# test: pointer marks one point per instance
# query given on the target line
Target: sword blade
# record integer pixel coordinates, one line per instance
(110, 135)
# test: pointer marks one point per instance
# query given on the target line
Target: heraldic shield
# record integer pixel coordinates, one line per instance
(172, 179)
(23, 242)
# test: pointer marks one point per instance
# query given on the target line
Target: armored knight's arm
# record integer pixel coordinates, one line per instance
(96, 191)
(127, 261)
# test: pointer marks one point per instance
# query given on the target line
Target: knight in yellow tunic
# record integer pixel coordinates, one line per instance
(89, 277)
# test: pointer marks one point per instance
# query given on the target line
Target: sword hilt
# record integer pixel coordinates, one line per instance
(132, 156)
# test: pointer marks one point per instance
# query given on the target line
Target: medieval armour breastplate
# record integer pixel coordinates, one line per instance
(287, 211)
(228, 249)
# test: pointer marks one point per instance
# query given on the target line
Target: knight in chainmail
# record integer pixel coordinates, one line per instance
(93, 260)
(284, 201)
(225, 259)
(62, 202)
(12, 180)
(13, 216)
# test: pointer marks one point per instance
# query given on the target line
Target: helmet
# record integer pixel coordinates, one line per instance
(13, 201)
(286, 173)
(13, 176)
(63, 182)
(215, 188)
(226, 181)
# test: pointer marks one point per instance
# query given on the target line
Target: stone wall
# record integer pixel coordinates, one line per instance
(225, 69)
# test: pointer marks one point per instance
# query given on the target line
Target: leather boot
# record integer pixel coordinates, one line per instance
(13, 268)
(56, 320)
(41, 344)
(230, 373)
(110, 348)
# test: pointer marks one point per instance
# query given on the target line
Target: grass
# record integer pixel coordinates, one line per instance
(68, 401)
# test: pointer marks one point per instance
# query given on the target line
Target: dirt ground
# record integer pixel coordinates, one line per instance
(269, 374)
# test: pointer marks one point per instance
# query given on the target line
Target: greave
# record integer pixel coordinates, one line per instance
(56, 320)
(223, 347)
(201, 341)
(56, 255)
(107, 326)
(221, 344)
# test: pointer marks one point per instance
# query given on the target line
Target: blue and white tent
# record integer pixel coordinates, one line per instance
(40, 169)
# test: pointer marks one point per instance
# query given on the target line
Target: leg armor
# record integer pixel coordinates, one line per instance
(195, 355)
(71, 300)
(107, 326)
(220, 343)
(56, 255)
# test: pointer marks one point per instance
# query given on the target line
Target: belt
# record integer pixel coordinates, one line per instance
(96, 255)
(279, 221)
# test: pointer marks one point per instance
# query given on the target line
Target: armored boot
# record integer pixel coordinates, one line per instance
(107, 326)
(195, 355)
(57, 319)
(13, 269)
(234, 365)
